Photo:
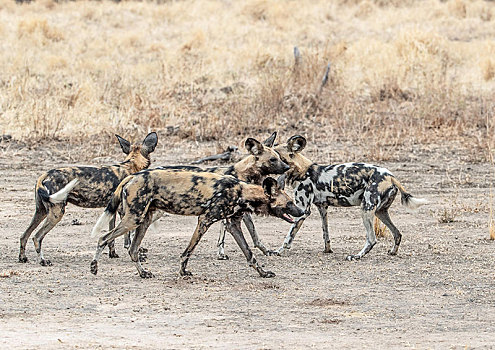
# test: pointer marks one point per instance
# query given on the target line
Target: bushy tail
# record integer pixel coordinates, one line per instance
(112, 207)
(57, 197)
(407, 199)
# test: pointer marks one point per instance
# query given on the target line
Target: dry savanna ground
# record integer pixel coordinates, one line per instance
(410, 85)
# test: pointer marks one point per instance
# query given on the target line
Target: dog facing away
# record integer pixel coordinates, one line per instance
(261, 162)
(209, 196)
(342, 185)
(84, 186)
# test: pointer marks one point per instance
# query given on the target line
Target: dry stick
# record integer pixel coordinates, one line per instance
(324, 81)
(297, 57)
(226, 156)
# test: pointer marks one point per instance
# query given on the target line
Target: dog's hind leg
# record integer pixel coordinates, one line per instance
(368, 216)
(234, 227)
(201, 228)
(248, 221)
(136, 242)
(123, 227)
(55, 214)
(221, 243)
(111, 245)
(324, 225)
(39, 215)
(385, 218)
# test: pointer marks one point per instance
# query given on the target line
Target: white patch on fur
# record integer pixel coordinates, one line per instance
(354, 198)
(61, 196)
(101, 224)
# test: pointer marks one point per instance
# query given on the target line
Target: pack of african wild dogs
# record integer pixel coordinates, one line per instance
(229, 194)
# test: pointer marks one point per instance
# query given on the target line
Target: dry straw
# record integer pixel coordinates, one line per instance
(402, 72)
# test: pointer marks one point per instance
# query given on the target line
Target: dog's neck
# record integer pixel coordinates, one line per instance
(246, 170)
(135, 162)
(298, 168)
(256, 199)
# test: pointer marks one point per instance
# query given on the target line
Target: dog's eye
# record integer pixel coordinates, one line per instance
(291, 155)
(273, 160)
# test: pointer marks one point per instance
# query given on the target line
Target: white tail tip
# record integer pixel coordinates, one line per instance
(415, 203)
(101, 224)
(61, 196)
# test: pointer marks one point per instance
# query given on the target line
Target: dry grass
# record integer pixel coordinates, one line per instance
(402, 72)
(491, 221)
(381, 230)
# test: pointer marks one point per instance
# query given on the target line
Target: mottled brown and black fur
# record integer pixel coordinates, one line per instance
(342, 185)
(209, 196)
(261, 162)
(84, 186)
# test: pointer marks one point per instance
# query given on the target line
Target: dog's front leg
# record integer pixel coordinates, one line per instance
(324, 225)
(248, 221)
(221, 243)
(304, 202)
(234, 227)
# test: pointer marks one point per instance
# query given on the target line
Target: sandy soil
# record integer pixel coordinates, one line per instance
(437, 293)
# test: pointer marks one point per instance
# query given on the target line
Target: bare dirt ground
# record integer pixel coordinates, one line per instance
(437, 293)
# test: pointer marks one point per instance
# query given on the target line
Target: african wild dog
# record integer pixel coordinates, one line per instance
(342, 185)
(261, 162)
(209, 196)
(84, 186)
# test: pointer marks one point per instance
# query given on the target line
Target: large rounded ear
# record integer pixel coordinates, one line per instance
(124, 144)
(149, 143)
(253, 146)
(296, 143)
(270, 186)
(271, 140)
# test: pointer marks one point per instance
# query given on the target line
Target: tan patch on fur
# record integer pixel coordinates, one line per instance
(137, 161)
(281, 200)
(385, 184)
(299, 164)
(245, 168)
(253, 193)
(398, 184)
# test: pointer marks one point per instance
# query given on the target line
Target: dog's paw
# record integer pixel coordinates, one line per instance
(142, 257)
(185, 273)
(328, 251)
(392, 252)
(272, 253)
(142, 250)
(23, 259)
(146, 274)
(113, 255)
(353, 257)
(94, 267)
(268, 274)
(45, 262)
(223, 257)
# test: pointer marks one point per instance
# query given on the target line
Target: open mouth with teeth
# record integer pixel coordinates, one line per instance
(287, 218)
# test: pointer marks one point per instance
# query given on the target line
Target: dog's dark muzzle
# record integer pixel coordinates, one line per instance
(288, 212)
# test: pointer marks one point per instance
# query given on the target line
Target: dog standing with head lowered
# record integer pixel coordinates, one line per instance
(84, 186)
(342, 185)
(261, 162)
(209, 196)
